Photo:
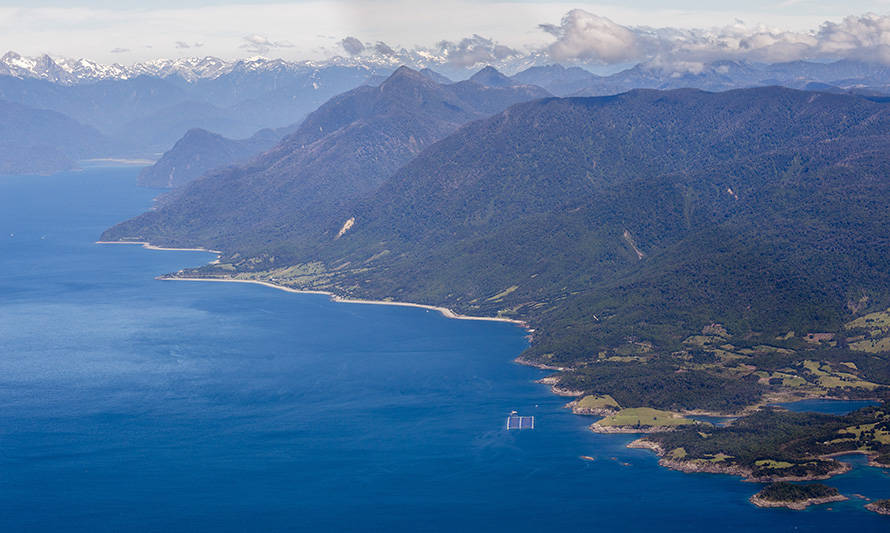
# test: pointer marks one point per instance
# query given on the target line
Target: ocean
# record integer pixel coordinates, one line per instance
(133, 404)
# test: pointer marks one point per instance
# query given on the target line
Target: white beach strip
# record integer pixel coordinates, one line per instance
(444, 310)
(149, 246)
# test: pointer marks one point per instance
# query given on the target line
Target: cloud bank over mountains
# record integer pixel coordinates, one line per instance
(585, 37)
(579, 37)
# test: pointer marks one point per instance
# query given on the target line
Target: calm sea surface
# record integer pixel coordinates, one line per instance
(131, 404)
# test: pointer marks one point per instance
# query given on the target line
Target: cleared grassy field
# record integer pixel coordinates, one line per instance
(770, 463)
(645, 416)
(594, 401)
(879, 320)
(830, 378)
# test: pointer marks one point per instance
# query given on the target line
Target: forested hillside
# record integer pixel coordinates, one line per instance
(726, 240)
(287, 198)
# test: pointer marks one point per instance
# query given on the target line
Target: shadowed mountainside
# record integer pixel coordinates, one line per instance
(200, 151)
(40, 141)
(347, 148)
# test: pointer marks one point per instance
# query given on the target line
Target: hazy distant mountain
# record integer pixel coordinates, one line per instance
(490, 77)
(345, 149)
(200, 151)
(68, 71)
(722, 75)
(558, 79)
(39, 141)
(436, 77)
(148, 107)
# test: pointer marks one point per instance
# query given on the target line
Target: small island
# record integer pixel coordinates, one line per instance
(796, 497)
(880, 507)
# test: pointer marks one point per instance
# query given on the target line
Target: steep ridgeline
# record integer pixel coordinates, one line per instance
(289, 196)
(646, 214)
(621, 227)
(200, 151)
(40, 141)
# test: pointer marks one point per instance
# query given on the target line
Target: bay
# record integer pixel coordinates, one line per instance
(133, 404)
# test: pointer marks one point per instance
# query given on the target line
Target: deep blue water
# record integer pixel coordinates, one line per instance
(831, 407)
(131, 404)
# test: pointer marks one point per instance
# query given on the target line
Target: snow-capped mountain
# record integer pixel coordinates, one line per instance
(67, 71)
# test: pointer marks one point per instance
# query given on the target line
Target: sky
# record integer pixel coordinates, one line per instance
(605, 32)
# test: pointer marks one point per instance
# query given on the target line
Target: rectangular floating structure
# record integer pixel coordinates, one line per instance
(520, 422)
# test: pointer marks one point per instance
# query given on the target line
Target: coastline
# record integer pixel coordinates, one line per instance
(875, 507)
(149, 246)
(541, 366)
(448, 313)
(552, 381)
(869, 455)
(799, 505)
(693, 467)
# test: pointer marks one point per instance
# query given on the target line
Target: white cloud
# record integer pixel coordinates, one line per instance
(352, 46)
(863, 37)
(384, 49)
(610, 33)
(475, 50)
(260, 44)
(585, 37)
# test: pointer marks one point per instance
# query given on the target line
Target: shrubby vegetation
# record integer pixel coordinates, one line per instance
(779, 444)
(787, 492)
(661, 385)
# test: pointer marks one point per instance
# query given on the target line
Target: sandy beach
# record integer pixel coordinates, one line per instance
(444, 310)
(149, 246)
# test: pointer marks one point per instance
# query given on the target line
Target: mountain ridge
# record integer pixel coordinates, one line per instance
(200, 151)
(380, 127)
(39, 141)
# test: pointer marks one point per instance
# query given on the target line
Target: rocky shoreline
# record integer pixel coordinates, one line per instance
(597, 428)
(799, 505)
(553, 381)
(881, 507)
(871, 456)
(702, 467)
(525, 362)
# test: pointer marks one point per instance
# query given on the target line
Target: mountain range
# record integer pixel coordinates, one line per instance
(617, 227)
(840, 76)
(147, 110)
(844, 74)
(148, 106)
(288, 195)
